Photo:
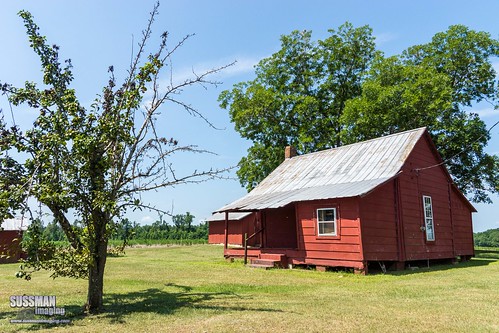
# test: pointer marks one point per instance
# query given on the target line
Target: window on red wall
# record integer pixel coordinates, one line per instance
(428, 218)
(326, 222)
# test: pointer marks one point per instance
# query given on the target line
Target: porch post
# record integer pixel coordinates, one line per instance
(226, 238)
(263, 221)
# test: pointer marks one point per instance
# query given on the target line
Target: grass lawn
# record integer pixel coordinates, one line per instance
(192, 289)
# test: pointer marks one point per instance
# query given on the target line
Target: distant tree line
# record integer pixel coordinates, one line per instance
(489, 238)
(182, 228)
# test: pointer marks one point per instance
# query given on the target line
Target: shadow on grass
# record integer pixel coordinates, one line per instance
(162, 302)
(488, 253)
(154, 301)
(417, 267)
(28, 314)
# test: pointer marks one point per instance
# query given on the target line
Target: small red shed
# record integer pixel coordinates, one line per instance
(387, 201)
(240, 224)
(11, 232)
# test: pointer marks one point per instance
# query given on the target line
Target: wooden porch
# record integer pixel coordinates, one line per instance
(274, 243)
(281, 257)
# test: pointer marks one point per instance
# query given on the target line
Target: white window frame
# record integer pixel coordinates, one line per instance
(333, 222)
(429, 224)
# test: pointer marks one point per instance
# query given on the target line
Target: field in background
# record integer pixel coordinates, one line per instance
(487, 252)
(192, 289)
(139, 242)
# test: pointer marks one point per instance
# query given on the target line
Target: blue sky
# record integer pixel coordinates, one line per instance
(96, 34)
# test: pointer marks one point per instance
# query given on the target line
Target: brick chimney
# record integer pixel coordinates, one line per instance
(289, 152)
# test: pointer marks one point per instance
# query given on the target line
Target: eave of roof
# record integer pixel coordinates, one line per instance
(281, 199)
(232, 216)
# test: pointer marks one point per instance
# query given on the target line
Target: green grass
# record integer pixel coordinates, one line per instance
(133, 242)
(192, 289)
(487, 252)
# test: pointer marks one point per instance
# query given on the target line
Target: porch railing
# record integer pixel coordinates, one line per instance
(246, 239)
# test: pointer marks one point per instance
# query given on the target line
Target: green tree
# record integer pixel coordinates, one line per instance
(201, 231)
(90, 163)
(54, 232)
(464, 55)
(489, 238)
(395, 94)
(183, 222)
(432, 85)
(341, 90)
(124, 231)
(298, 96)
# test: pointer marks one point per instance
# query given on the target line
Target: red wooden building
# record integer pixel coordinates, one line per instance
(239, 226)
(11, 232)
(387, 201)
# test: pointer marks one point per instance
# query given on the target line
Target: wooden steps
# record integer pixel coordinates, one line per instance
(262, 263)
(268, 260)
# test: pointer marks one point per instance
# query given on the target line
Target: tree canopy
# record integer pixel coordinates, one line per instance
(89, 166)
(298, 96)
(341, 90)
(489, 238)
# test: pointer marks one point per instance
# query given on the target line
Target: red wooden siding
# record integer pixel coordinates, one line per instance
(237, 228)
(345, 247)
(463, 229)
(216, 232)
(379, 225)
(280, 228)
(416, 181)
(9, 245)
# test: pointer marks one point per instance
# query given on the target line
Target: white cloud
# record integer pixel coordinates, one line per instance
(385, 37)
(487, 112)
(242, 65)
(146, 219)
(495, 65)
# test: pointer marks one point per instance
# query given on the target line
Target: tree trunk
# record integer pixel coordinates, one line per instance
(96, 278)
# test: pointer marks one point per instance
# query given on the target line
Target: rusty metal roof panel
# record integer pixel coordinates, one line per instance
(342, 172)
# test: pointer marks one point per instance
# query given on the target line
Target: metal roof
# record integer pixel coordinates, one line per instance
(347, 171)
(13, 224)
(232, 216)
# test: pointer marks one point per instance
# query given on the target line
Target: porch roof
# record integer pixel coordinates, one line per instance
(232, 216)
